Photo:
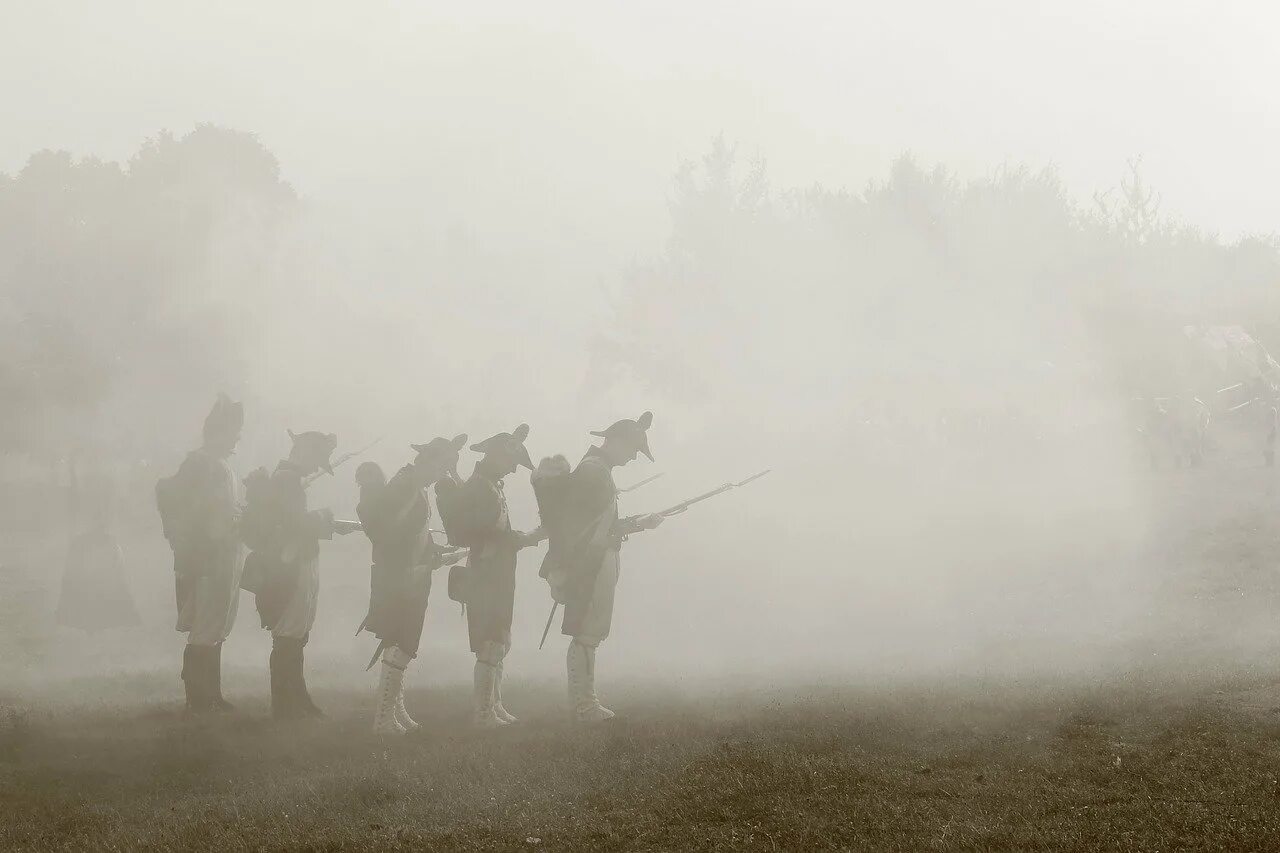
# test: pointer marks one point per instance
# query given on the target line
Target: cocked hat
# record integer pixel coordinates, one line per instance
(634, 431)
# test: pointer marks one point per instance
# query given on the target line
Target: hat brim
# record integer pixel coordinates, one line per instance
(641, 440)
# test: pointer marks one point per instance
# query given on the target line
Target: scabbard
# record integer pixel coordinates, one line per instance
(382, 644)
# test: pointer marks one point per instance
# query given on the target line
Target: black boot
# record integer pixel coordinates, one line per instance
(306, 707)
(215, 681)
(283, 705)
(194, 681)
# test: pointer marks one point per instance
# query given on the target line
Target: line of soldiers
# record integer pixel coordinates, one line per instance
(208, 527)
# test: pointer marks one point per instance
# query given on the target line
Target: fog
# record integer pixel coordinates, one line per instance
(915, 260)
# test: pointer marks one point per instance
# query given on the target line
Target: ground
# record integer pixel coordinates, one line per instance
(1146, 763)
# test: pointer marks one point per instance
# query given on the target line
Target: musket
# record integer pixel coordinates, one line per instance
(684, 505)
(635, 486)
(346, 457)
(629, 523)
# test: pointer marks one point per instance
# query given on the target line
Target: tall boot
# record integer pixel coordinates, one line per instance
(303, 698)
(582, 685)
(482, 683)
(194, 682)
(215, 681)
(283, 704)
(399, 658)
(390, 683)
(501, 712)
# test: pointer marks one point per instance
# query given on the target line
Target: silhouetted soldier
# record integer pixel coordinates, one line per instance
(396, 517)
(478, 518)
(284, 565)
(198, 507)
(592, 566)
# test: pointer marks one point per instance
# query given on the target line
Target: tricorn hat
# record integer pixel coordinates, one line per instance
(636, 431)
(225, 418)
(510, 442)
(320, 443)
(443, 448)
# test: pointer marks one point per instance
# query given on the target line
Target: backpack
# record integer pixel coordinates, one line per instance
(177, 499)
(455, 513)
(553, 488)
(260, 517)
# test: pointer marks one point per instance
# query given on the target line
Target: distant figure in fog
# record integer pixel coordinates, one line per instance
(95, 589)
(396, 517)
(198, 508)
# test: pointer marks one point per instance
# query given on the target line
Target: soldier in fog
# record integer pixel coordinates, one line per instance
(478, 517)
(198, 508)
(588, 575)
(284, 566)
(396, 517)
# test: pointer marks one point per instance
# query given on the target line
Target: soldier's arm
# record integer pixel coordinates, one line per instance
(222, 509)
(296, 520)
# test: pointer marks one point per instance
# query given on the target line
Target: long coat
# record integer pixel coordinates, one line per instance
(491, 563)
(396, 518)
(287, 602)
(595, 541)
(207, 558)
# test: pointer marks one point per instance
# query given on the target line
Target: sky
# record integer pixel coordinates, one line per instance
(546, 120)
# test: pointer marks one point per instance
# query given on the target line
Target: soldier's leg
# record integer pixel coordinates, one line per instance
(204, 620)
(498, 708)
(581, 661)
(484, 684)
(195, 680)
(410, 635)
(215, 680)
(401, 658)
(302, 695)
(283, 705)
(390, 685)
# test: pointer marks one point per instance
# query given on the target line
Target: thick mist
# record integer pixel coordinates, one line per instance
(487, 222)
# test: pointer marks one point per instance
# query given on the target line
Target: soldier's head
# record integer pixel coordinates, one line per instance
(311, 451)
(369, 475)
(222, 426)
(626, 439)
(436, 459)
(505, 452)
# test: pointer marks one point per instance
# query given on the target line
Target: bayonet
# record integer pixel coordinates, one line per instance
(629, 523)
(681, 507)
(346, 457)
(635, 486)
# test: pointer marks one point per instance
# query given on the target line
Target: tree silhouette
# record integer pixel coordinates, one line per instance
(122, 282)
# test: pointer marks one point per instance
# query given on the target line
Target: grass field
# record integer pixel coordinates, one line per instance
(1132, 765)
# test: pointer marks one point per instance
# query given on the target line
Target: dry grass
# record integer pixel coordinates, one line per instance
(1117, 767)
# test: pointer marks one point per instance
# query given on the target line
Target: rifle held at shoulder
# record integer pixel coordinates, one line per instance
(631, 523)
